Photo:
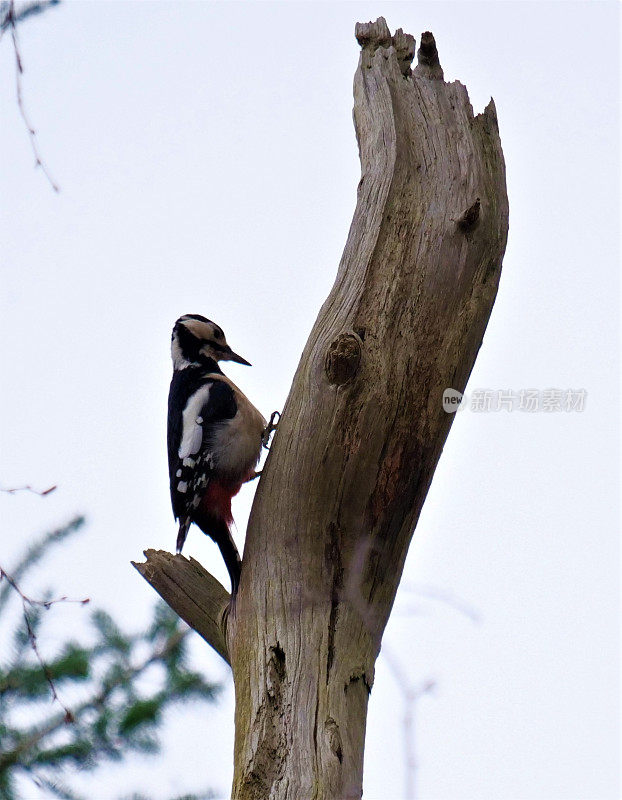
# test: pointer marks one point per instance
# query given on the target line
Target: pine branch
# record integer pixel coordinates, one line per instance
(117, 716)
(57, 789)
(18, 755)
(28, 10)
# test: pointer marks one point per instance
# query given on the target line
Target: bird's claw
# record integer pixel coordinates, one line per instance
(269, 429)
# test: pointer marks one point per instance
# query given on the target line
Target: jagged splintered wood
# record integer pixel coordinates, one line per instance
(362, 430)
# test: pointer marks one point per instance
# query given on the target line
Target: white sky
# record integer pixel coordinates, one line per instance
(207, 162)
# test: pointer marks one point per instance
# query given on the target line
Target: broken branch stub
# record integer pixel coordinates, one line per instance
(199, 599)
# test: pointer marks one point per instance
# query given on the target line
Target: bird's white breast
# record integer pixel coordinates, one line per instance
(237, 443)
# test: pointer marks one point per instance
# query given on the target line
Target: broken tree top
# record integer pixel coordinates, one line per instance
(373, 35)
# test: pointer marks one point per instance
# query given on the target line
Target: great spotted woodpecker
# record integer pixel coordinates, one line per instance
(215, 436)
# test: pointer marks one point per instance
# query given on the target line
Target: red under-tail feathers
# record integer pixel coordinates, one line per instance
(216, 501)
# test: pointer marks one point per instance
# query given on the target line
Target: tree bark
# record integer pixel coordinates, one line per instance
(364, 425)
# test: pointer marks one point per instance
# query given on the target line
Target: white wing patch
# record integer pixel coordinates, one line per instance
(192, 432)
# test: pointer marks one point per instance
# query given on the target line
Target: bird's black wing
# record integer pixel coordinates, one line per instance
(196, 407)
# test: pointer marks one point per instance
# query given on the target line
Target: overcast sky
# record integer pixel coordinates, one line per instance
(207, 164)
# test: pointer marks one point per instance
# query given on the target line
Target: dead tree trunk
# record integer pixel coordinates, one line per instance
(362, 430)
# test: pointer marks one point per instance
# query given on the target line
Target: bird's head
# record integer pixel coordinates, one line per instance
(196, 339)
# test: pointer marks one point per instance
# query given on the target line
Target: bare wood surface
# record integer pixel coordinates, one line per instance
(198, 598)
(364, 425)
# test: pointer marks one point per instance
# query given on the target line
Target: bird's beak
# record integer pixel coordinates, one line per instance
(229, 355)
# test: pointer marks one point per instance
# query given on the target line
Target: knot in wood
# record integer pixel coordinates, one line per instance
(343, 358)
(470, 219)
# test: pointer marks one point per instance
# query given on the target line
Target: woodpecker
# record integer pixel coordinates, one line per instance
(214, 437)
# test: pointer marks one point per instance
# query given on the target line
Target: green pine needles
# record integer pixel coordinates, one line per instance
(126, 681)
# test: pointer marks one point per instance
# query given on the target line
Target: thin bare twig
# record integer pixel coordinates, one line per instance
(448, 598)
(15, 489)
(36, 551)
(32, 637)
(69, 717)
(411, 693)
(10, 21)
(43, 603)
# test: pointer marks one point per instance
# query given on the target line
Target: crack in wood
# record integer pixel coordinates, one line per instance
(334, 738)
(334, 561)
(268, 763)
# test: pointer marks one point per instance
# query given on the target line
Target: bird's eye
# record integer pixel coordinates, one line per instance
(218, 334)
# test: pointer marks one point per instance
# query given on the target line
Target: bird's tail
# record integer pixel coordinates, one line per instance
(218, 530)
(184, 524)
